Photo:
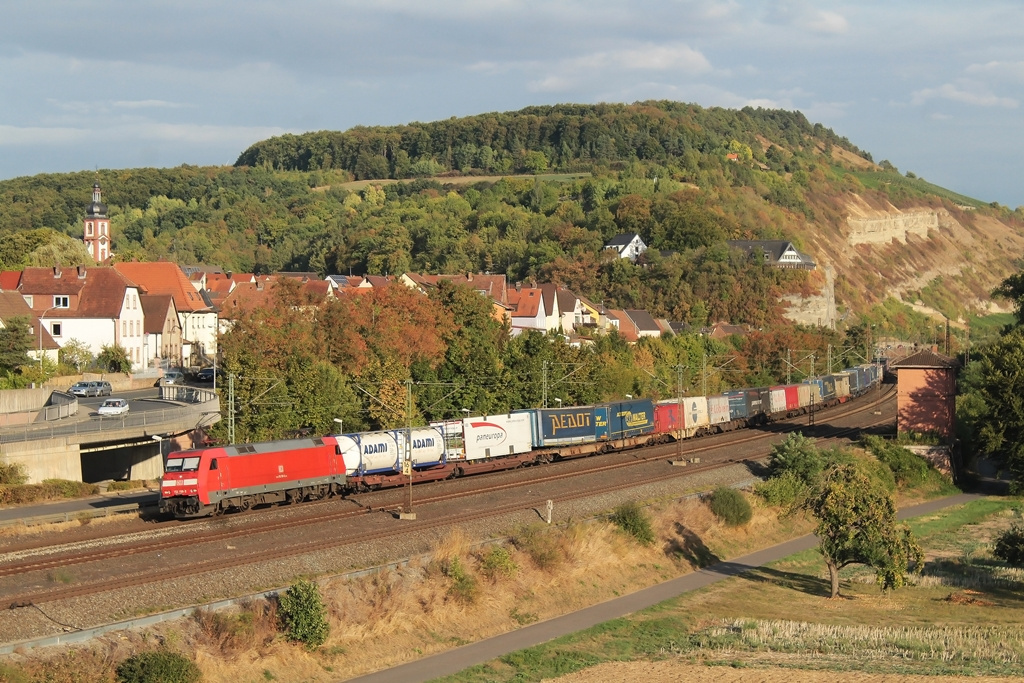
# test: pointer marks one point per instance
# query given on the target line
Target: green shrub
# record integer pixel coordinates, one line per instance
(159, 666)
(12, 474)
(65, 488)
(129, 485)
(464, 586)
(633, 519)
(498, 562)
(907, 468)
(1010, 546)
(303, 615)
(786, 490)
(798, 455)
(730, 506)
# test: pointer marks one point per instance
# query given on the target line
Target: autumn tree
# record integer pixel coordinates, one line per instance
(857, 525)
(282, 377)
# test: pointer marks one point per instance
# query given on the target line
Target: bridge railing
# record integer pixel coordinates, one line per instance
(154, 419)
(186, 394)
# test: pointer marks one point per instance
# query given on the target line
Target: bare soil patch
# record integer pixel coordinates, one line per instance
(678, 671)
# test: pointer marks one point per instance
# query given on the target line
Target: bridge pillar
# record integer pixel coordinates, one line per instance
(45, 459)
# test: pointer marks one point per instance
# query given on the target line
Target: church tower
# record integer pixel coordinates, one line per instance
(96, 228)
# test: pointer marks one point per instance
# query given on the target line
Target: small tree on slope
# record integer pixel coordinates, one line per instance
(857, 525)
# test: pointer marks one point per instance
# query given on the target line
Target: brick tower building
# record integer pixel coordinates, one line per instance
(96, 228)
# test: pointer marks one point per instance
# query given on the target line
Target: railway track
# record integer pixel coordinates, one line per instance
(583, 489)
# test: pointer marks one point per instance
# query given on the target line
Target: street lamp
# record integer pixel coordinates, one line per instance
(41, 335)
(558, 401)
(629, 397)
(340, 430)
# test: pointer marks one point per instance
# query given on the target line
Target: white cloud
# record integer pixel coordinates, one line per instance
(805, 16)
(1001, 70)
(675, 57)
(147, 104)
(973, 96)
(11, 136)
(826, 22)
(15, 136)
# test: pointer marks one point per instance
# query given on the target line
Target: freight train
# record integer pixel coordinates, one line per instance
(207, 481)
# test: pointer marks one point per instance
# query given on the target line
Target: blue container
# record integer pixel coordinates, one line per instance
(582, 424)
(743, 402)
(630, 418)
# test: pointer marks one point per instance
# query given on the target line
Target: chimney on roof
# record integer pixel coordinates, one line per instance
(81, 272)
(469, 277)
(519, 286)
(259, 285)
(56, 272)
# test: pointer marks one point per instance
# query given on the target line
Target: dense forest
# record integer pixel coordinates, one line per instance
(566, 137)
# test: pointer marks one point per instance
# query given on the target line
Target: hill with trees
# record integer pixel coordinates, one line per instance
(686, 178)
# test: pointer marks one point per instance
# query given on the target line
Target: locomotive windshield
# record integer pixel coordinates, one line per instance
(182, 464)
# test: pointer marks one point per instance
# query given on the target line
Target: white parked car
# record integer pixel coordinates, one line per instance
(114, 406)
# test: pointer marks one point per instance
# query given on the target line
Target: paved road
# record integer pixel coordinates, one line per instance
(453, 661)
(77, 505)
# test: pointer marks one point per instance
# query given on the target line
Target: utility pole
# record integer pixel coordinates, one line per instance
(544, 385)
(789, 364)
(231, 408)
(679, 402)
(407, 462)
(704, 373)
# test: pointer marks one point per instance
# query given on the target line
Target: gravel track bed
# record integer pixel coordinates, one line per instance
(60, 616)
(633, 483)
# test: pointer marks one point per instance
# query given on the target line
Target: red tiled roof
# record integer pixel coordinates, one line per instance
(222, 286)
(164, 277)
(527, 302)
(12, 305)
(249, 296)
(47, 281)
(627, 330)
(95, 292)
(10, 279)
(378, 280)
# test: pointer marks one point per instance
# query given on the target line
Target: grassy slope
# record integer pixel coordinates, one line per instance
(779, 616)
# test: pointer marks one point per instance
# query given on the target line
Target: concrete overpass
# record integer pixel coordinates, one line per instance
(133, 446)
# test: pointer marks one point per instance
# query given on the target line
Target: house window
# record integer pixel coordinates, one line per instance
(55, 329)
(88, 228)
(29, 300)
(124, 328)
(61, 302)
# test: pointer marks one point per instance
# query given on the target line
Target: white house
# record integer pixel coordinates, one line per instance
(96, 306)
(198, 320)
(628, 245)
(528, 310)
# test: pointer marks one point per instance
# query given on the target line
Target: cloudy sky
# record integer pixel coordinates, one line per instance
(934, 86)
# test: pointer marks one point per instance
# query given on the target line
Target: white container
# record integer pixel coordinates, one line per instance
(718, 409)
